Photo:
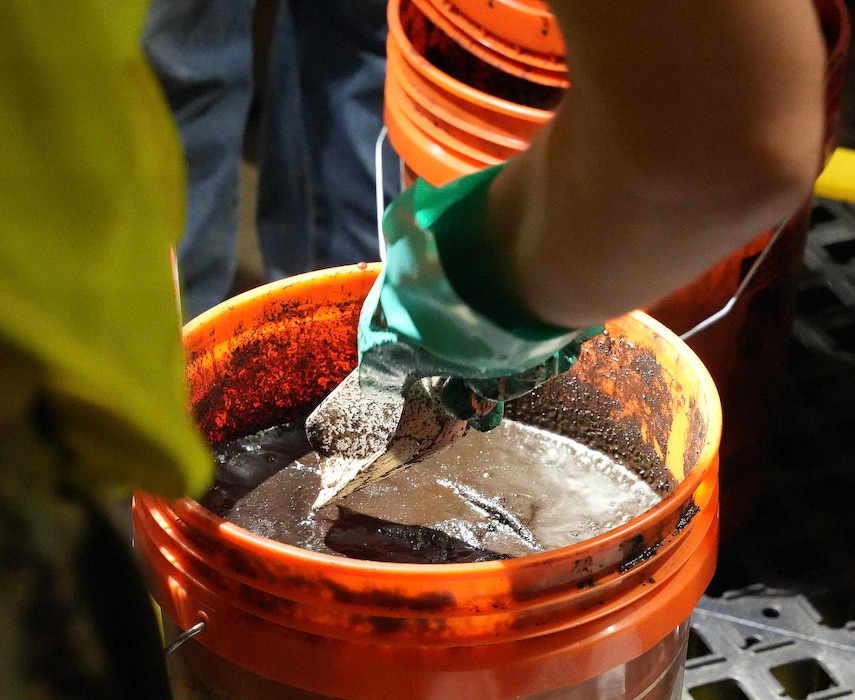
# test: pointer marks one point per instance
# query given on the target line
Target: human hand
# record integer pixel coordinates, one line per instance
(414, 324)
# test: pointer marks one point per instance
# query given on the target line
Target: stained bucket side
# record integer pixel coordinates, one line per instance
(284, 614)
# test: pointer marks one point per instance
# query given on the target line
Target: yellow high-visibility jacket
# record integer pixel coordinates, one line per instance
(92, 396)
(91, 199)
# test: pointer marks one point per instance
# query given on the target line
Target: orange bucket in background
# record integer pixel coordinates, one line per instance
(607, 617)
(441, 126)
(746, 350)
(520, 37)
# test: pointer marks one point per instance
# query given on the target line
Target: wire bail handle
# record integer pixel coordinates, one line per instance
(185, 636)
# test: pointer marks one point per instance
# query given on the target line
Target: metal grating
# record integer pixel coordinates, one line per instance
(826, 318)
(766, 643)
(778, 620)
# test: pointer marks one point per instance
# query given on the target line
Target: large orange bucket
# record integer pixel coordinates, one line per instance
(603, 618)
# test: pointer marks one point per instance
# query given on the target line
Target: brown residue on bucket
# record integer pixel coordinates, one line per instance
(635, 550)
(579, 405)
(695, 443)
(255, 391)
(642, 555)
(689, 512)
(431, 602)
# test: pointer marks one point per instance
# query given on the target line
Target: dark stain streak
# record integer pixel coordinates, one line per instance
(431, 602)
(386, 625)
(686, 515)
(260, 381)
(644, 556)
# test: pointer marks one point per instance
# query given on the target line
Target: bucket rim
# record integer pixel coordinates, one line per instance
(515, 58)
(684, 489)
(447, 82)
(505, 18)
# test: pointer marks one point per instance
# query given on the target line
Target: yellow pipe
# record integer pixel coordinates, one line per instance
(837, 181)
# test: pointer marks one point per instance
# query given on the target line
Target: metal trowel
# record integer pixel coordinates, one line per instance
(359, 440)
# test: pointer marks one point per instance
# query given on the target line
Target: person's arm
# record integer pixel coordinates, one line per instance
(690, 127)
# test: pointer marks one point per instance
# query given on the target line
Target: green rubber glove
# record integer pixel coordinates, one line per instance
(415, 323)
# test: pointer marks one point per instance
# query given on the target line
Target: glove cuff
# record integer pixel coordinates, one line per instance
(478, 273)
(431, 231)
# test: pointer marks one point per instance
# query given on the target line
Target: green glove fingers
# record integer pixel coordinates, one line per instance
(462, 402)
(414, 322)
(512, 386)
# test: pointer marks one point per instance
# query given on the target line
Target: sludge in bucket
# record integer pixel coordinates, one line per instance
(603, 618)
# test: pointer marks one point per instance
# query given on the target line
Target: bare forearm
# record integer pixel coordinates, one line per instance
(690, 127)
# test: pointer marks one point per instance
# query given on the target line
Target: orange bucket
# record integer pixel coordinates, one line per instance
(520, 38)
(440, 126)
(602, 618)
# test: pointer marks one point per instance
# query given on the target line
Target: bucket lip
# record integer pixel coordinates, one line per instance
(246, 298)
(189, 508)
(514, 58)
(445, 81)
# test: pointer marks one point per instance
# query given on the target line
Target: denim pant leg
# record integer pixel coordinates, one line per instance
(285, 212)
(201, 51)
(339, 47)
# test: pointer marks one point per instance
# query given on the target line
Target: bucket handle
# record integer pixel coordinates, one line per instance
(706, 323)
(186, 635)
(379, 192)
(725, 310)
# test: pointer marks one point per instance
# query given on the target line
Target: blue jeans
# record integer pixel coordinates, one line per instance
(321, 114)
